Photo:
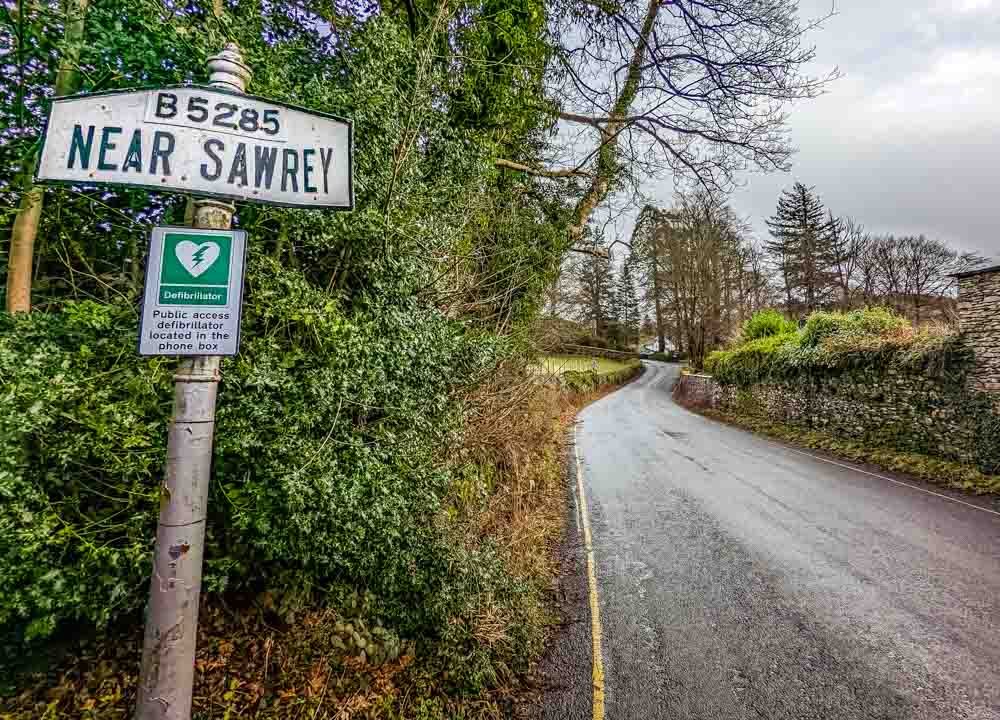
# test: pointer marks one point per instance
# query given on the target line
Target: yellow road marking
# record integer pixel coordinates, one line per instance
(595, 611)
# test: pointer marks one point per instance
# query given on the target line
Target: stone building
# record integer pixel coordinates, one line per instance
(979, 317)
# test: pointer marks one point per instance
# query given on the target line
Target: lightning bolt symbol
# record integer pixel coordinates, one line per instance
(199, 255)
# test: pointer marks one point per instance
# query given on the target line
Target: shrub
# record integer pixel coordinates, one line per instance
(584, 381)
(767, 323)
(326, 457)
(77, 464)
(870, 322)
(751, 361)
(831, 341)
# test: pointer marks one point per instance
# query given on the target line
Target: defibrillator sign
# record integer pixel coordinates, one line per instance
(204, 141)
(194, 292)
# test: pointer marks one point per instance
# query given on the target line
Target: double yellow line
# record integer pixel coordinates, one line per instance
(595, 611)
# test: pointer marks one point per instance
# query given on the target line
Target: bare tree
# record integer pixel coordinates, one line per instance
(850, 245)
(887, 254)
(704, 254)
(928, 266)
(696, 88)
(907, 272)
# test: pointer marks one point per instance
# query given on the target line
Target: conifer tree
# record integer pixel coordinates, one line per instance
(803, 246)
(627, 301)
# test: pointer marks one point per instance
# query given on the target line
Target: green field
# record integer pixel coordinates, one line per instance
(557, 364)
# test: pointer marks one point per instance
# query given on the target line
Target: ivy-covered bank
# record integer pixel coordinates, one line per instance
(357, 453)
(866, 376)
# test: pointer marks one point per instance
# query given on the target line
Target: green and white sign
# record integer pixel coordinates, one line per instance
(194, 292)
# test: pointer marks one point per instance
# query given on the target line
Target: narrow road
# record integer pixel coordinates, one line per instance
(739, 578)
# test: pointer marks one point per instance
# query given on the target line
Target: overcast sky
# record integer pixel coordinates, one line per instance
(908, 140)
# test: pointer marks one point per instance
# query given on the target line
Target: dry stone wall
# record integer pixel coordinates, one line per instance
(953, 415)
(883, 407)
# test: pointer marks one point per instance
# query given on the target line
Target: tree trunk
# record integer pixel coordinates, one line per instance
(606, 160)
(22, 245)
(25, 230)
(654, 258)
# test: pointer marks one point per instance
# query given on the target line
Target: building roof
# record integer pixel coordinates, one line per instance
(991, 264)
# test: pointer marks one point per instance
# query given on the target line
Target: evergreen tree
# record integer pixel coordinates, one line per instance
(627, 301)
(647, 256)
(594, 280)
(803, 246)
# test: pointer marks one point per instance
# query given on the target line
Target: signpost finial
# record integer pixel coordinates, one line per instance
(228, 70)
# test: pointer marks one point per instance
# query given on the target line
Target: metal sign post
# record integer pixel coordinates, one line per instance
(168, 653)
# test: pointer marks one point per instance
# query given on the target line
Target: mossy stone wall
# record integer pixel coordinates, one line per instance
(885, 407)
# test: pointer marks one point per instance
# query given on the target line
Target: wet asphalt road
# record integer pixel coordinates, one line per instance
(738, 578)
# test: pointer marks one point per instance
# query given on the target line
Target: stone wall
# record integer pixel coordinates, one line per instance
(887, 408)
(695, 390)
(979, 316)
(953, 415)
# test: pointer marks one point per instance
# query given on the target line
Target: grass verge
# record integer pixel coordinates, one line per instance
(941, 472)
(558, 364)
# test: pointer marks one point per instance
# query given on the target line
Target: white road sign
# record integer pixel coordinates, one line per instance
(203, 141)
(194, 292)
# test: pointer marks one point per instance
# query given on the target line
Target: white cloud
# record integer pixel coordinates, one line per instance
(908, 139)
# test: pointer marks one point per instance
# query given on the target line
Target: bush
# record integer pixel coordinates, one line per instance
(749, 362)
(829, 342)
(584, 381)
(878, 322)
(767, 323)
(325, 462)
(83, 423)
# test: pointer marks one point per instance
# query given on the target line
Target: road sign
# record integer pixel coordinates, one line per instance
(194, 292)
(205, 141)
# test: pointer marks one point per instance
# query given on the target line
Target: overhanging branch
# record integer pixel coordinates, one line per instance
(540, 172)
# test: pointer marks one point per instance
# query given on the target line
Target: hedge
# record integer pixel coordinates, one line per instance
(587, 381)
(832, 342)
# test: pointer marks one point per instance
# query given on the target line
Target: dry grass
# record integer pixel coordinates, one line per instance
(249, 665)
(520, 430)
(518, 435)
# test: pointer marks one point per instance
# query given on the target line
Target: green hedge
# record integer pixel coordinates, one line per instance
(867, 348)
(765, 324)
(326, 468)
(587, 381)
(830, 342)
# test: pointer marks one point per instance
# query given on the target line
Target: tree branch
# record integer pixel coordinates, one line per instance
(597, 252)
(540, 172)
